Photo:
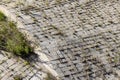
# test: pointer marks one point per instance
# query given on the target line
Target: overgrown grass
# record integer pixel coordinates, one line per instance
(11, 39)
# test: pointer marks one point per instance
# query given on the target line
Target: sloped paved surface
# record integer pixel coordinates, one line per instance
(11, 67)
(81, 39)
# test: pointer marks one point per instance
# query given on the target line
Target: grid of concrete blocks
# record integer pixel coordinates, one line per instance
(80, 38)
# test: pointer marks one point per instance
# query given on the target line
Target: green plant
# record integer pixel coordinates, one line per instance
(27, 63)
(12, 40)
(17, 77)
(2, 17)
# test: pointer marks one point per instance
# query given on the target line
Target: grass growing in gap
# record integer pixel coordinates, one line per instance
(17, 77)
(50, 77)
(11, 39)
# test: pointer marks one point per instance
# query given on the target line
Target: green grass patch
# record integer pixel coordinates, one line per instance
(11, 39)
(2, 17)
